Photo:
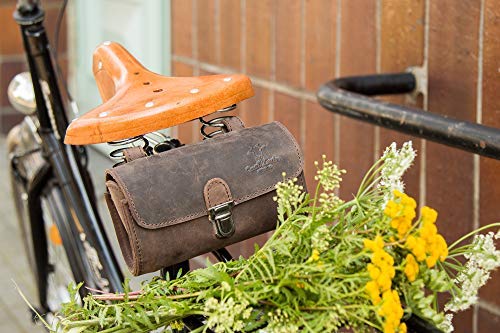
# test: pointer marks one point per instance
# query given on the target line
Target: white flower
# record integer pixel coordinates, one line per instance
(329, 176)
(396, 162)
(482, 258)
(446, 325)
(226, 315)
(289, 195)
(321, 238)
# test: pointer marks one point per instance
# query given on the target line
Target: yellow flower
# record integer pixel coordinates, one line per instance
(442, 246)
(392, 209)
(411, 268)
(374, 245)
(374, 271)
(314, 256)
(373, 291)
(428, 231)
(391, 311)
(417, 247)
(428, 214)
(401, 213)
(402, 328)
(384, 281)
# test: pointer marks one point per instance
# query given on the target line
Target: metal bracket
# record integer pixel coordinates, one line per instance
(420, 74)
(222, 218)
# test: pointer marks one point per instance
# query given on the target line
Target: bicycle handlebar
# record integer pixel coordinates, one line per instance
(348, 96)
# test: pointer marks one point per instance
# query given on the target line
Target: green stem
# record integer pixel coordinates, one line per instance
(472, 233)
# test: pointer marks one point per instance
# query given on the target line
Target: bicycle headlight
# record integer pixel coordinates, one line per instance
(21, 94)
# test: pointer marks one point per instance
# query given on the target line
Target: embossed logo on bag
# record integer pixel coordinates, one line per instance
(263, 161)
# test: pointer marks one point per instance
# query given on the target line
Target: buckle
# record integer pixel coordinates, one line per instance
(222, 218)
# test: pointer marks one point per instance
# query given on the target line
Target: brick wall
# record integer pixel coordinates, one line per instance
(289, 48)
(12, 59)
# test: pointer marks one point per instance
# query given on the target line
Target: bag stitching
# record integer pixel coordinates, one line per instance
(211, 185)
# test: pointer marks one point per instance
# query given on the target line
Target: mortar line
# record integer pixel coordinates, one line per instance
(273, 60)
(490, 307)
(423, 143)
(264, 83)
(338, 50)
(195, 63)
(476, 161)
(302, 44)
(378, 69)
(243, 35)
(303, 119)
(217, 27)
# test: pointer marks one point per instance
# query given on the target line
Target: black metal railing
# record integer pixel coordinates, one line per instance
(348, 96)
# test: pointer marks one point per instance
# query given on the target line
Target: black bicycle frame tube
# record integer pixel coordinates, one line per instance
(346, 97)
(64, 160)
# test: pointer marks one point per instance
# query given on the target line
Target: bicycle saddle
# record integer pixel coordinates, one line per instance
(137, 101)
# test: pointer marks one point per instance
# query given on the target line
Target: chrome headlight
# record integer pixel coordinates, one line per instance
(21, 94)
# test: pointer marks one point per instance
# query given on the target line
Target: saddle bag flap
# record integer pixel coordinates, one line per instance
(191, 200)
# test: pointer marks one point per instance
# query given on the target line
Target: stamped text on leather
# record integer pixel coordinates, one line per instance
(263, 161)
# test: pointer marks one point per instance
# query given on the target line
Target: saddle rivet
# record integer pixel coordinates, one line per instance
(103, 114)
(99, 65)
(107, 43)
(227, 79)
(149, 104)
(194, 91)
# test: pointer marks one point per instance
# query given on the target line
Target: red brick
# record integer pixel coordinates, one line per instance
(487, 321)
(207, 48)
(453, 48)
(402, 34)
(358, 56)
(182, 34)
(258, 37)
(181, 69)
(11, 42)
(320, 25)
(230, 34)
(185, 131)
(319, 139)
(255, 111)
(489, 195)
(288, 42)
(287, 110)
(402, 46)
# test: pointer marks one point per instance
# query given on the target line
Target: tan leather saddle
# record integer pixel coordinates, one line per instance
(138, 101)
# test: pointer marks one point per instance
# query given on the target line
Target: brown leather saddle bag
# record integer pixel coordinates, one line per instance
(173, 206)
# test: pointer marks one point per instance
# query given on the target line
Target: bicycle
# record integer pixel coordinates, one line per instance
(50, 180)
(62, 232)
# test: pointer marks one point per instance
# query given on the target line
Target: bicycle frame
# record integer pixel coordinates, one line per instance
(63, 161)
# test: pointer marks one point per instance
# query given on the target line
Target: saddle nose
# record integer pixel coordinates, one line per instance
(137, 101)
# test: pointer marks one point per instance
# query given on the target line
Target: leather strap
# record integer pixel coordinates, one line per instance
(133, 153)
(233, 123)
(216, 192)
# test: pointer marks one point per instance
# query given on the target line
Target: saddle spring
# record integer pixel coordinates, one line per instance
(152, 143)
(215, 123)
(162, 142)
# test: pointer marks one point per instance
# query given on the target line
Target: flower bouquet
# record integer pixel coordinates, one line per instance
(371, 263)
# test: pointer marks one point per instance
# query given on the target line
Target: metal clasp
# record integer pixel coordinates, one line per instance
(222, 218)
